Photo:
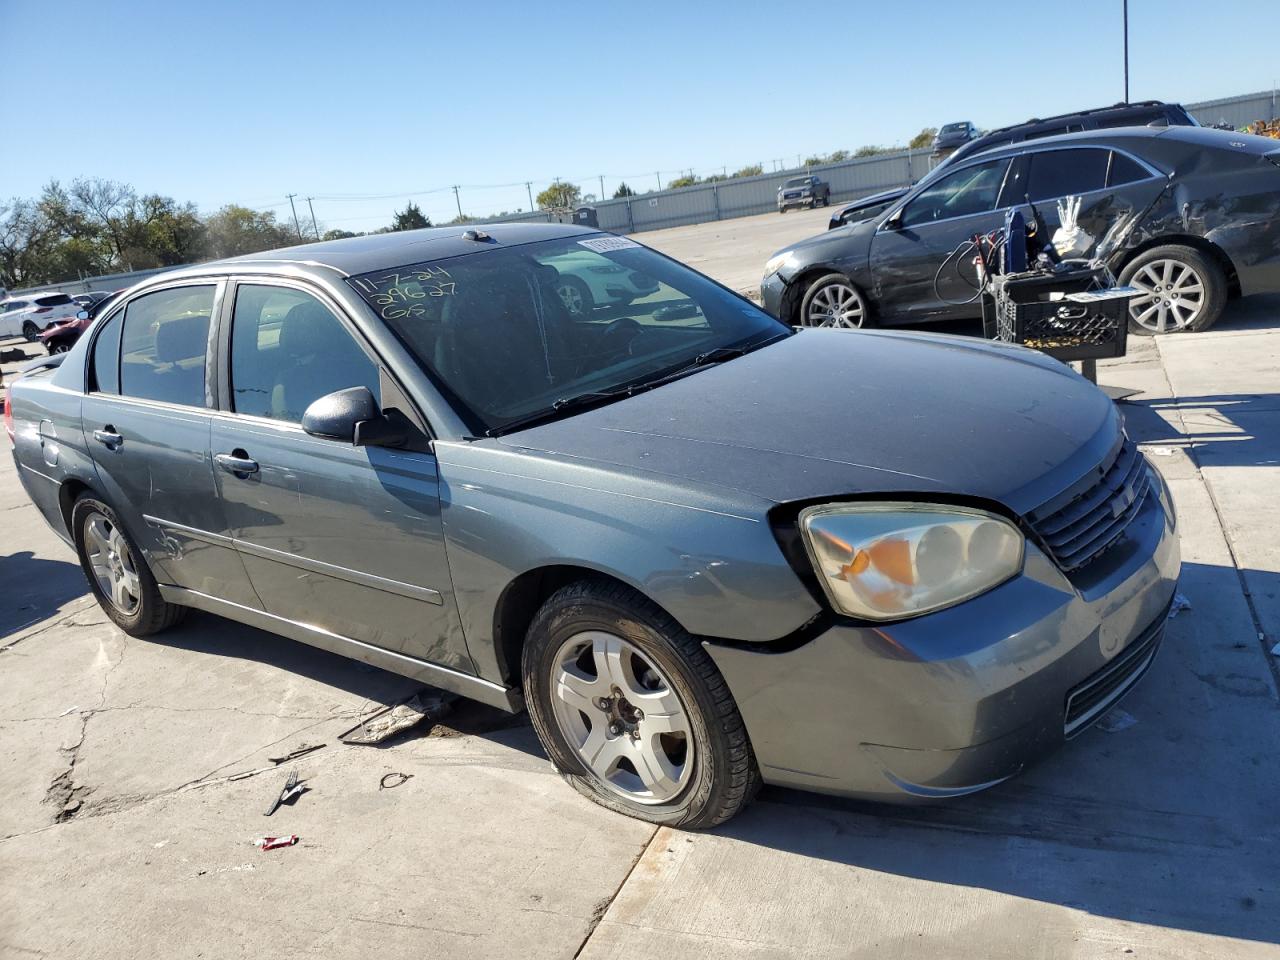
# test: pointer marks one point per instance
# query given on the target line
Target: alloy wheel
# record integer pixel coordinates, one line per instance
(622, 717)
(112, 563)
(1171, 298)
(835, 305)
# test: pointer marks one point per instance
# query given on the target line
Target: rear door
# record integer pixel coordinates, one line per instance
(906, 254)
(146, 418)
(347, 539)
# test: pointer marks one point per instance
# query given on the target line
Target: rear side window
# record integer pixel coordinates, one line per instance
(288, 350)
(1125, 170)
(53, 300)
(1061, 173)
(163, 345)
(105, 375)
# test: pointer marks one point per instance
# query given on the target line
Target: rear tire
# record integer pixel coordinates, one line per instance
(118, 575)
(1184, 291)
(593, 648)
(30, 331)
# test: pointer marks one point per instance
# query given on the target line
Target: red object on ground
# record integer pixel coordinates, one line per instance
(271, 843)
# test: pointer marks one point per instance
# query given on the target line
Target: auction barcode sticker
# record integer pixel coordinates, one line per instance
(607, 244)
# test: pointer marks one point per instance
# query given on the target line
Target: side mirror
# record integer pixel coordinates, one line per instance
(352, 416)
(894, 222)
(82, 315)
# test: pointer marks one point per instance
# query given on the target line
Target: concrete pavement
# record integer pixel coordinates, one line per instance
(134, 774)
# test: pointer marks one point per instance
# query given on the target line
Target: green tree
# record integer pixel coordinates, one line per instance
(923, 138)
(688, 180)
(461, 219)
(623, 191)
(837, 155)
(27, 244)
(339, 235)
(560, 196)
(751, 170)
(410, 218)
(870, 150)
(236, 230)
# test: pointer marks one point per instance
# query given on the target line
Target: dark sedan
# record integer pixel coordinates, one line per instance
(1187, 215)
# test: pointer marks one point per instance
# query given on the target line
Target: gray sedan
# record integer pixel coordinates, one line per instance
(704, 550)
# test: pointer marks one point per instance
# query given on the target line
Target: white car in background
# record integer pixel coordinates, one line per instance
(26, 316)
(585, 283)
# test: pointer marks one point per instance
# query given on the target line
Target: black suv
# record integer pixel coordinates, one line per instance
(1153, 113)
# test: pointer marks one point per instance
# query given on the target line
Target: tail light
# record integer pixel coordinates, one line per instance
(42, 309)
(8, 414)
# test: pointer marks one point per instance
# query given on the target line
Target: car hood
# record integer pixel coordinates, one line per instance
(875, 199)
(829, 413)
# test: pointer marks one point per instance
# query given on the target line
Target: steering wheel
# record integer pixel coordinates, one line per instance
(619, 334)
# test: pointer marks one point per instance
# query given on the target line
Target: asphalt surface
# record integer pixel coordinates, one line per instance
(134, 774)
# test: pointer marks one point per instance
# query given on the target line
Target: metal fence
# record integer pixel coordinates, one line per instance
(746, 196)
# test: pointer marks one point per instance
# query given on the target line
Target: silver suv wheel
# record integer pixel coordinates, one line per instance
(622, 717)
(1172, 297)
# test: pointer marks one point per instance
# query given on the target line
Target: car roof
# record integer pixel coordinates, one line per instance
(1113, 136)
(356, 255)
(1139, 106)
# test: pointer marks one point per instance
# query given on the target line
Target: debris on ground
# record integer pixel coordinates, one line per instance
(301, 751)
(1116, 720)
(392, 780)
(272, 843)
(67, 712)
(1179, 604)
(1159, 451)
(292, 788)
(392, 720)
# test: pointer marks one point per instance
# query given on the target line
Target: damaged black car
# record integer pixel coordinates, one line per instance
(1187, 215)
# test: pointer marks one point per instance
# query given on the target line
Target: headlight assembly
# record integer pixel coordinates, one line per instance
(776, 263)
(888, 561)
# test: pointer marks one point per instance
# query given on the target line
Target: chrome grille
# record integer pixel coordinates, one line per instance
(1079, 524)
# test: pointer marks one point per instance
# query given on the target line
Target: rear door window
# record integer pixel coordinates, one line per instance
(1061, 173)
(53, 300)
(104, 374)
(163, 345)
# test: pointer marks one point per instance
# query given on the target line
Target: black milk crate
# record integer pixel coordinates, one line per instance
(1069, 315)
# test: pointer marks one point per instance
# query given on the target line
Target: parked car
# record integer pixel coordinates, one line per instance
(432, 467)
(585, 283)
(60, 337)
(808, 191)
(87, 300)
(1146, 113)
(954, 135)
(1189, 215)
(25, 316)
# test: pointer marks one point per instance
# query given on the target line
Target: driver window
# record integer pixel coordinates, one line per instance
(288, 350)
(972, 190)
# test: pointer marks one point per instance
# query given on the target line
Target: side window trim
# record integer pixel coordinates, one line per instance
(226, 321)
(219, 285)
(1008, 161)
(92, 380)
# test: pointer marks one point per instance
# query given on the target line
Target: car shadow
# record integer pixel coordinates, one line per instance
(36, 589)
(1237, 430)
(1165, 817)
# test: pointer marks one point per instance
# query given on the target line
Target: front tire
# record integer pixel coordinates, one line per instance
(576, 297)
(118, 575)
(833, 301)
(1183, 291)
(632, 711)
(30, 331)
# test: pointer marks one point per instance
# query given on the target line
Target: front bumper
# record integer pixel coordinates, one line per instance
(808, 200)
(962, 699)
(771, 290)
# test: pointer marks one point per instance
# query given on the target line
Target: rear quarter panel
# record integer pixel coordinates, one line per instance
(49, 445)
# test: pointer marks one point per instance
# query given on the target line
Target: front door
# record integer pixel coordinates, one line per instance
(146, 421)
(909, 250)
(341, 538)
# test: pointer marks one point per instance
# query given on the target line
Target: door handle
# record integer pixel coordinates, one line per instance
(108, 437)
(237, 463)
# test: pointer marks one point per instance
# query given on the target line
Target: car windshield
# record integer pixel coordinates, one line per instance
(954, 127)
(509, 333)
(797, 182)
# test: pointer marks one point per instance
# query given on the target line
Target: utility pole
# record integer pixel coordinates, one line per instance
(314, 226)
(528, 185)
(295, 214)
(602, 186)
(659, 176)
(458, 201)
(1126, 51)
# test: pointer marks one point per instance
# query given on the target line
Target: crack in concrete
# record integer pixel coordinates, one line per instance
(65, 619)
(602, 906)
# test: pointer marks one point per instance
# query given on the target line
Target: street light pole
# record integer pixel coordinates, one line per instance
(1126, 51)
(295, 214)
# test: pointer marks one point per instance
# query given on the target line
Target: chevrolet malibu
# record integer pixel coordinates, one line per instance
(705, 551)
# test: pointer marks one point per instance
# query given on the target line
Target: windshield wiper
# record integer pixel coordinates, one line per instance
(559, 408)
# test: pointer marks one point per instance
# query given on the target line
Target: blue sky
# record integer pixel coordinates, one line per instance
(246, 101)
